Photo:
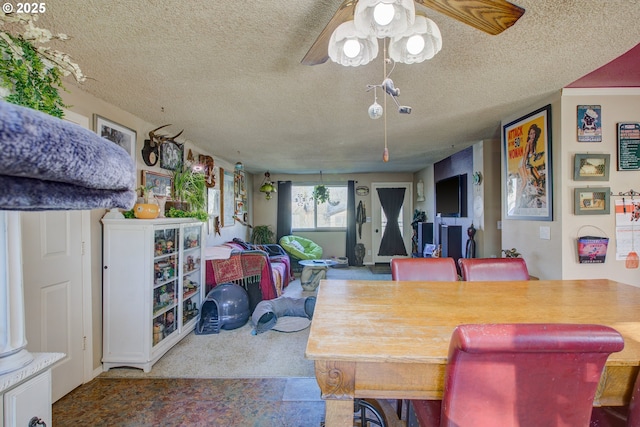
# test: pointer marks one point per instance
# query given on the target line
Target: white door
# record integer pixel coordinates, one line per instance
(57, 287)
(379, 221)
(52, 262)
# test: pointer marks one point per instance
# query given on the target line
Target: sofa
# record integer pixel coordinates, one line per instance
(263, 270)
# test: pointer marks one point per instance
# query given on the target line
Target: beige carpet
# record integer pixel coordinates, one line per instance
(239, 354)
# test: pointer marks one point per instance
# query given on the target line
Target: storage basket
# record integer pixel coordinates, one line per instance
(592, 249)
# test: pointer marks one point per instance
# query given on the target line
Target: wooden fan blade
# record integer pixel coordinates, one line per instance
(319, 51)
(490, 16)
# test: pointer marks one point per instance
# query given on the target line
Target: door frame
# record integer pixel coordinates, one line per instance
(376, 218)
(85, 237)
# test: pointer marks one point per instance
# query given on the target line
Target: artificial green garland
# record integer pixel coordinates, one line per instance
(29, 82)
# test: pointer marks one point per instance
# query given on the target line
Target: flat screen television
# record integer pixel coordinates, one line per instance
(451, 196)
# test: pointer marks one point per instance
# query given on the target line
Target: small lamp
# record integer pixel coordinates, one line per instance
(267, 186)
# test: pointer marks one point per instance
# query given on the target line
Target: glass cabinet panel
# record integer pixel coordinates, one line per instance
(165, 283)
(191, 274)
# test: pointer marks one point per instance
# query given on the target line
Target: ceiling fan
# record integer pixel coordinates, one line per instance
(490, 16)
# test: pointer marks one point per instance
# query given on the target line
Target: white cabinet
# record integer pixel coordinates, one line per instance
(153, 279)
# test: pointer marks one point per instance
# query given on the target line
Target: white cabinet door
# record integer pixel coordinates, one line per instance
(28, 400)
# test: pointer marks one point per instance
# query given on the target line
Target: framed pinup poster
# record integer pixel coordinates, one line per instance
(527, 149)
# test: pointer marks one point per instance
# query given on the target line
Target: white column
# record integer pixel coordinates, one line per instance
(13, 343)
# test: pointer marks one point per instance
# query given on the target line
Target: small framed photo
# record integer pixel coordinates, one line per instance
(161, 184)
(171, 155)
(592, 200)
(118, 134)
(591, 167)
(589, 123)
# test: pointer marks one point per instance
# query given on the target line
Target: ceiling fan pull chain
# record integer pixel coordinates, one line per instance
(385, 153)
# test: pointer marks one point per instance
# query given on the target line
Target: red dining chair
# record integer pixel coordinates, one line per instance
(427, 269)
(494, 269)
(520, 375)
(415, 269)
(619, 416)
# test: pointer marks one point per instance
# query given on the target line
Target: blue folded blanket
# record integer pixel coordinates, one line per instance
(50, 164)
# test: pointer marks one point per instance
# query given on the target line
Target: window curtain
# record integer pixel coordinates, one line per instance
(351, 223)
(283, 226)
(391, 200)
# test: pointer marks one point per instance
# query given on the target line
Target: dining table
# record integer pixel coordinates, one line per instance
(390, 339)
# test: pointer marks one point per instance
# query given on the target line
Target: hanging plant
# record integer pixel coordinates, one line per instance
(320, 194)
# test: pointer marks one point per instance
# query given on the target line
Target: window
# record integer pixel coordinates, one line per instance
(307, 215)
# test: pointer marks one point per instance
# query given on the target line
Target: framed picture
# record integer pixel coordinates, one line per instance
(591, 167)
(527, 153)
(171, 155)
(628, 146)
(121, 135)
(592, 200)
(213, 207)
(239, 187)
(589, 123)
(161, 184)
(227, 200)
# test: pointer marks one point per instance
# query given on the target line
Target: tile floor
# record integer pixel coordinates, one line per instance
(271, 402)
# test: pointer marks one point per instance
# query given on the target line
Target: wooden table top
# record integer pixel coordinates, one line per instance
(412, 322)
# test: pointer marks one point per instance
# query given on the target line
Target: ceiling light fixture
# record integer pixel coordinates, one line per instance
(267, 186)
(414, 37)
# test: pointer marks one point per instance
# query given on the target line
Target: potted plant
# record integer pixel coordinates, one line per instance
(511, 253)
(262, 235)
(320, 194)
(188, 189)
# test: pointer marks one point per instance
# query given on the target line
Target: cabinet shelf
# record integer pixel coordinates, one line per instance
(158, 310)
(188, 295)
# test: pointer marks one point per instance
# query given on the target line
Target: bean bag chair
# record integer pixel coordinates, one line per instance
(300, 248)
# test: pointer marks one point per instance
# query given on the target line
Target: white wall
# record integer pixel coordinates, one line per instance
(618, 105)
(544, 257)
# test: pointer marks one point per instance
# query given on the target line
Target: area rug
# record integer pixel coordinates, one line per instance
(239, 354)
(380, 268)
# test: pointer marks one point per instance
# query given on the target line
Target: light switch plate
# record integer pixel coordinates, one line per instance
(545, 232)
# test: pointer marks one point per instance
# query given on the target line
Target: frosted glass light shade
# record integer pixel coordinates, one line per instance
(345, 36)
(375, 110)
(402, 50)
(370, 17)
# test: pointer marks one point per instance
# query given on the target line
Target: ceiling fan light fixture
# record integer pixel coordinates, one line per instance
(350, 48)
(406, 47)
(383, 13)
(384, 18)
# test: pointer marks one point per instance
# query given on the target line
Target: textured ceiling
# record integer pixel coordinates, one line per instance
(228, 72)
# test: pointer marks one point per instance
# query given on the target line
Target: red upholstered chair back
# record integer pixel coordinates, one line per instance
(494, 269)
(414, 269)
(524, 374)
